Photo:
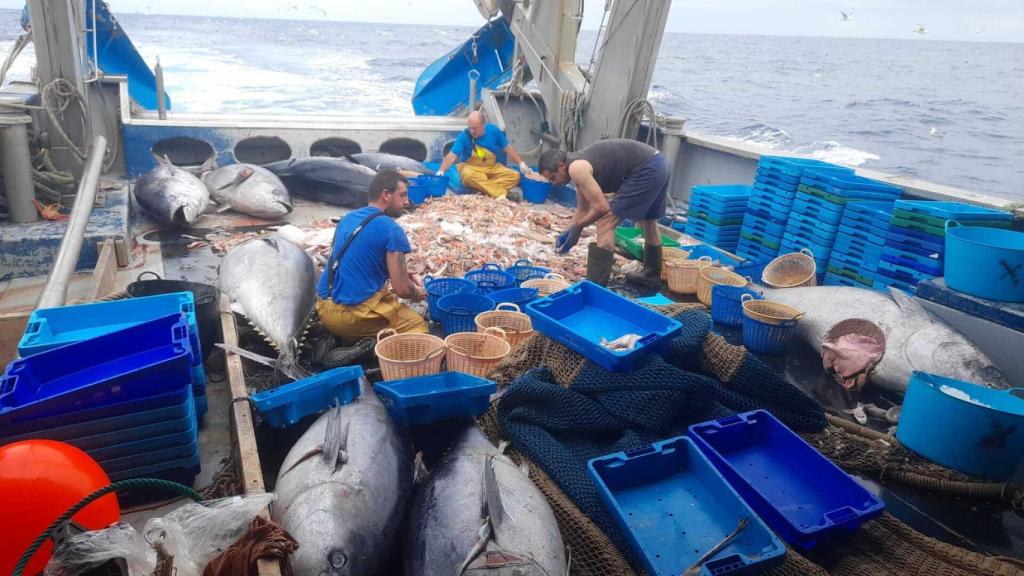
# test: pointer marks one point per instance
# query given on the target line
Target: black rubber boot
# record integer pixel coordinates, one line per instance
(599, 264)
(348, 355)
(650, 277)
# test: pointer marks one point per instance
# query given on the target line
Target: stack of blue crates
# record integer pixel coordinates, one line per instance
(716, 214)
(915, 244)
(771, 200)
(124, 397)
(818, 210)
(858, 245)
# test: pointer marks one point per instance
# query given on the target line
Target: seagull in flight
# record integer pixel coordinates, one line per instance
(920, 29)
(844, 17)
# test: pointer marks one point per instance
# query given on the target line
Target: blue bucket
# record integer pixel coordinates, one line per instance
(726, 303)
(457, 312)
(518, 296)
(985, 262)
(490, 277)
(523, 271)
(432, 185)
(767, 338)
(987, 439)
(535, 191)
(438, 287)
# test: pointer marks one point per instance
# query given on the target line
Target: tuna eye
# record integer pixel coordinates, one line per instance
(337, 559)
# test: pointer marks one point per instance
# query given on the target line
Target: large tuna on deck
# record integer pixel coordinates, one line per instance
(173, 196)
(480, 514)
(271, 281)
(332, 180)
(384, 161)
(249, 189)
(343, 489)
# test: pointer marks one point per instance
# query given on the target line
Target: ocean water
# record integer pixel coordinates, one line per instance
(946, 112)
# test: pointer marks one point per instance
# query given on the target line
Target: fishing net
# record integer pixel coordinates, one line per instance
(885, 546)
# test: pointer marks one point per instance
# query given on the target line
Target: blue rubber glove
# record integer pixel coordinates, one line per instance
(566, 240)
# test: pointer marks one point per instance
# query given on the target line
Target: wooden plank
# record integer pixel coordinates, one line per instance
(105, 273)
(12, 326)
(243, 430)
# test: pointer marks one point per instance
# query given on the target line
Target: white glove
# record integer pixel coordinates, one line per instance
(524, 168)
(439, 173)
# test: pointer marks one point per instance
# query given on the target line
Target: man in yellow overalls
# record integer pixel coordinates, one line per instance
(479, 151)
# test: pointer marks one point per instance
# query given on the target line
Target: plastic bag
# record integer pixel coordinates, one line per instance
(195, 534)
(88, 550)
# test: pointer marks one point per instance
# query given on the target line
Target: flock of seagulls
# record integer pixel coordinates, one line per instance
(919, 29)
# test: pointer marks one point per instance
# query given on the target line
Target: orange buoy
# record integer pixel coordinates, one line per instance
(39, 481)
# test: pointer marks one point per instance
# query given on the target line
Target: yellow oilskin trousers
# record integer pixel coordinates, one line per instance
(380, 311)
(486, 174)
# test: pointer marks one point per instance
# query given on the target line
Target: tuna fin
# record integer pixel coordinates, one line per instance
(209, 165)
(492, 495)
(160, 160)
(350, 158)
(419, 470)
(223, 208)
(909, 307)
(335, 440)
(242, 176)
(483, 537)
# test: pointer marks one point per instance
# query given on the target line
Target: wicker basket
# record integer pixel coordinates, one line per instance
(709, 277)
(682, 275)
(547, 285)
(769, 312)
(517, 326)
(475, 352)
(670, 253)
(791, 270)
(407, 355)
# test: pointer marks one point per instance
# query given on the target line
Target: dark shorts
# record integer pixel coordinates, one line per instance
(643, 192)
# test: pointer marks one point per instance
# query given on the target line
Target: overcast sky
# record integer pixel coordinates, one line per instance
(984, 20)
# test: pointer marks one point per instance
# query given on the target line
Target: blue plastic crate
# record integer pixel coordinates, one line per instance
(797, 166)
(437, 397)
(801, 237)
(582, 314)
(717, 207)
(861, 234)
(833, 279)
(438, 287)
(871, 208)
(851, 186)
(817, 213)
(182, 471)
(136, 363)
(149, 458)
(862, 274)
(776, 178)
(726, 303)
(287, 404)
(711, 218)
(922, 264)
(954, 211)
(717, 256)
(764, 239)
(755, 223)
(753, 267)
(903, 273)
(854, 263)
(924, 244)
(457, 312)
(816, 225)
(847, 243)
(877, 226)
(805, 498)
(755, 251)
(773, 191)
(518, 296)
(490, 278)
(765, 338)
(428, 184)
(673, 506)
(112, 446)
(50, 328)
(523, 271)
(725, 193)
(771, 213)
(535, 191)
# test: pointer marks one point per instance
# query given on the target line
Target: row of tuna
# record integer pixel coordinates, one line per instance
(346, 487)
(176, 196)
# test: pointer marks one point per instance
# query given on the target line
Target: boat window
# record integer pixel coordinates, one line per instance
(262, 149)
(334, 147)
(447, 148)
(408, 147)
(183, 151)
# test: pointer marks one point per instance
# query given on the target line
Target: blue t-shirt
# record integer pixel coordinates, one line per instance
(493, 139)
(364, 267)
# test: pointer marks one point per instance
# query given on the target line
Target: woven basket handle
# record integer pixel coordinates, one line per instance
(500, 333)
(385, 333)
(705, 259)
(521, 262)
(797, 317)
(553, 276)
(746, 297)
(492, 266)
(427, 278)
(807, 252)
(508, 306)
(440, 350)
(155, 275)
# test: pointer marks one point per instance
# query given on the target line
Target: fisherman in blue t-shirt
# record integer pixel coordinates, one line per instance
(369, 249)
(480, 150)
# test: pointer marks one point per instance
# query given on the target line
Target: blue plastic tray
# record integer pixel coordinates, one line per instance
(443, 396)
(868, 265)
(182, 471)
(135, 363)
(820, 227)
(50, 328)
(700, 250)
(755, 223)
(149, 458)
(673, 506)
(861, 234)
(868, 224)
(784, 179)
(851, 186)
(111, 446)
(770, 213)
(714, 219)
(856, 249)
(883, 283)
(799, 493)
(921, 264)
(718, 207)
(924, 244)
(766, 240)
(954, 211)
(797, 166)
(704, 227)
(773, 190)
(840, 267)
(523, 271)
(871, 208)
(729, 192)
(797, 235)
(820, 253)
(582, 314)
(813, 211)
(832, 279)
(286, 405)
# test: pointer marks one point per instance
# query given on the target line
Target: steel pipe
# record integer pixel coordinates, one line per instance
(16, 165)
(473, 77)
(56, 290)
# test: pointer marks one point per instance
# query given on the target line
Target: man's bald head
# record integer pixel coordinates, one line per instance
(475, 122)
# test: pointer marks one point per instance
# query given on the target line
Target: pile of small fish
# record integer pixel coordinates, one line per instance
(455, 234)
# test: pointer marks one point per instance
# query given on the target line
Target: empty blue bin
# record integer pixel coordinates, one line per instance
(457, 312)
(802, 495)
(139, 362)
(429, 184)
(581, 315)
(535, 191)
(673, 507)
(437, 397)
(286, 405)
(490, 278)
(767, 338)
(726, 303)
(438, 287)
(523, 271)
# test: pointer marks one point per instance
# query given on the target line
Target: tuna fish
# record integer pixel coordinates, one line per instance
(272, 283)
(171, 195)
(343, 489)
(332, 180)
(249, 189)
(848, 324)
(480, 514)
(385, 161)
